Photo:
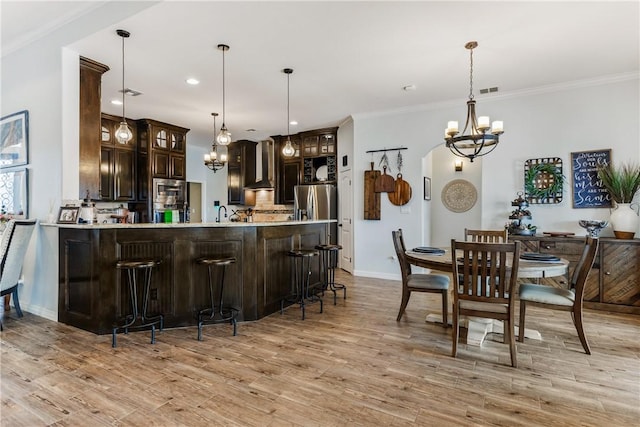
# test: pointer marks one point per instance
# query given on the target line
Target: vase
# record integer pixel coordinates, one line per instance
(624, 221)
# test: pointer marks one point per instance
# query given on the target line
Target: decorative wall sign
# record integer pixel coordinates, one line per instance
(588, 191)
(543, 180)
(459, 195)
(14, 139)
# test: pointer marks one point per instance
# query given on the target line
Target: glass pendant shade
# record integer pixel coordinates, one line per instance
(123, 133)
(288, 150)
(224, 136)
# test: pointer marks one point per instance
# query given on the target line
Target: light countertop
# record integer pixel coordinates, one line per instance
(190, 225)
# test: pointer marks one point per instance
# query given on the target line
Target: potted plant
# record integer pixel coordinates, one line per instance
(622, 183)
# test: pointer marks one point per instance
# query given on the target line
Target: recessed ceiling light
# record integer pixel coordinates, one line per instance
(293, 123)
(251, 130)
(192, 81)
(407, 88)
(116, 102)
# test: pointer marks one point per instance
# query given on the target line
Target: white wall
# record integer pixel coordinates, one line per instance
(445, 224)
(550, 122)
(38, 78)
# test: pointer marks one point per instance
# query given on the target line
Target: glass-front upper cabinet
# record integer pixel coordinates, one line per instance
(161, 139)
(177, 141)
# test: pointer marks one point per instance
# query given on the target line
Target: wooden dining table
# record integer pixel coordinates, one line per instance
(477, 329)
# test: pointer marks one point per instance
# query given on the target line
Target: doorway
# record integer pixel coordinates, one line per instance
(345, 220)
(194, 200)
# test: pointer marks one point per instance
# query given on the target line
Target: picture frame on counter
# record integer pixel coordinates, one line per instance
(14, 139)
(68, 215)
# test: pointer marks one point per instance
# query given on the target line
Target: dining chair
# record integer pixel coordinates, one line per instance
(7, 230)
(418, 282)
(486, 236)
(562, 299)
(484, 286)
(13, 258)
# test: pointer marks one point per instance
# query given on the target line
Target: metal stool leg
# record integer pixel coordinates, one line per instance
(137, 312)
(216, 312)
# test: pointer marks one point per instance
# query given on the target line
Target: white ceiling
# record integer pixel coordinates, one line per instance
(348, 58)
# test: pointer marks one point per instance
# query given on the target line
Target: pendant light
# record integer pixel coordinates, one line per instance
(123, 133)
(224, 137)
(482, 138)
(211, 160)
(288, 150)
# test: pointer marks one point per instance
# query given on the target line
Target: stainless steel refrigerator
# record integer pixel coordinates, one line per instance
(313, 202)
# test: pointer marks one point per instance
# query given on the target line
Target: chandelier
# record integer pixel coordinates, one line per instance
(288, 150)
(211, 160)
(224, 137)
(123, 133)
(481, 138)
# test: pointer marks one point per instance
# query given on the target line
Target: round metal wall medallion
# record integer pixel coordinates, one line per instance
(459, 195)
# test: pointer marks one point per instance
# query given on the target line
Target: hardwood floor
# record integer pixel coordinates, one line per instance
(352, 365)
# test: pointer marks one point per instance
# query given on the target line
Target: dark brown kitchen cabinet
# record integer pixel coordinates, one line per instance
(89, 132)
(242, 169)
(164, 145)
(315, 161)
(117, 163)
(161, 154)
(118, 172)
(290, 177)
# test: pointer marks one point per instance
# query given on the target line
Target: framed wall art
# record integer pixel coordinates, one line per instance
(587, 189)
(427, 188)
(14, 193)
(14, 139)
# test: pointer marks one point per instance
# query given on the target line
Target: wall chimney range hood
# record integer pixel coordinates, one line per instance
(268, 166)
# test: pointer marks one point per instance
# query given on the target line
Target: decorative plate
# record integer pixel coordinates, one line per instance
(459, 195)
(322, 173)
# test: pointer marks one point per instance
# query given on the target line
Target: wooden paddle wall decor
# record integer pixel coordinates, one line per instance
(371, 198)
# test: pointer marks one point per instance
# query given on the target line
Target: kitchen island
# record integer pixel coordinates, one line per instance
(93, 293)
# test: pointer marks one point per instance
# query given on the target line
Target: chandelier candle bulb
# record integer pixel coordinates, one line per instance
(452, 127)
(207, 158)
(483, 122)
(497, 127)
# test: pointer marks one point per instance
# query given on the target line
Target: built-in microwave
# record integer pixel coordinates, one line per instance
(168, 195)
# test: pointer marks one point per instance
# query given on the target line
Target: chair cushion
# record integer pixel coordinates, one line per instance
(547, 294)
(484, 306)
(428, 281)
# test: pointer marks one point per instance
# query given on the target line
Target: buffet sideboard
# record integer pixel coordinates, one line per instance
(614, 281)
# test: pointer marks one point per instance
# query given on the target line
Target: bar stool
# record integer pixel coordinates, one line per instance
(328, 263)
(217, 312)
(301, 264)
(138, 315)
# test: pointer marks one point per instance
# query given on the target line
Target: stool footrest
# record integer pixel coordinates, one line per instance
(210, 316)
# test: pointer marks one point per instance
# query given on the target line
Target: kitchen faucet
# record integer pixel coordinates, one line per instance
(225, 212)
